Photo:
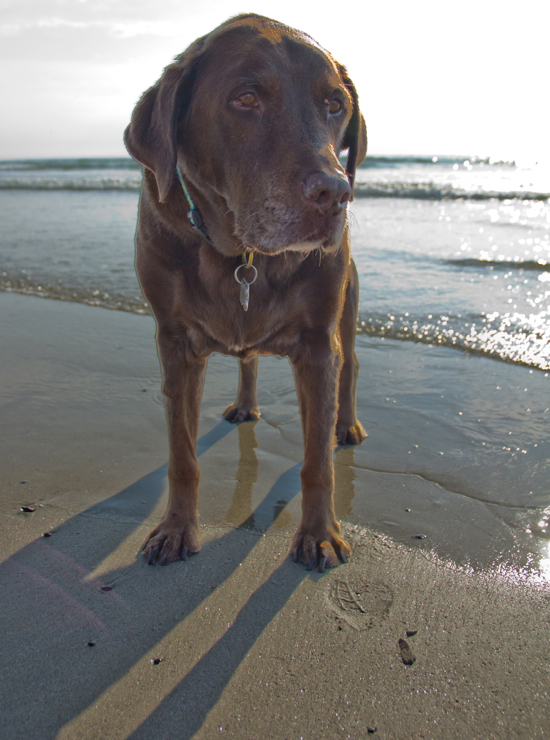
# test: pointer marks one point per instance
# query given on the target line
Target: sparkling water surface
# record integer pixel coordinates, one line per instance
(453, 251)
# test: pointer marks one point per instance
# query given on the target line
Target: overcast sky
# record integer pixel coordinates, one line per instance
(434, 77)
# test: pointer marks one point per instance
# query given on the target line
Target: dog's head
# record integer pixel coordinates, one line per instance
(255, 114)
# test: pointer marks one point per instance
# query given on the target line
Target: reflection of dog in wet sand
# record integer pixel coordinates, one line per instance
(243, 131)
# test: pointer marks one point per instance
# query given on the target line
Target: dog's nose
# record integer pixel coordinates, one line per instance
(327, 192)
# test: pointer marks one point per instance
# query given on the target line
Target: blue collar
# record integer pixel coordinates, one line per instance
(193, 214)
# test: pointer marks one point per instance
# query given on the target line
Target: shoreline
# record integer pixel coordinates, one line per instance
(248, 641)
(380, 333)
(455, 442)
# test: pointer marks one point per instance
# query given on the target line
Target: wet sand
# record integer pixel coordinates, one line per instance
(435, 637)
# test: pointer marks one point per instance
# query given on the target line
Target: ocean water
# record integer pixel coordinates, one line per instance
(450, 250)
(453, 256)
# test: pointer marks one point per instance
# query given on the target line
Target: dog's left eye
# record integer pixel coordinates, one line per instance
(334, 106)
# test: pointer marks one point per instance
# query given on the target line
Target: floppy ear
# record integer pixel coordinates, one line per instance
(355, 136)
(151, 136)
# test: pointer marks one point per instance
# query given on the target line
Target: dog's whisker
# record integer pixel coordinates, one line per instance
(352, 217)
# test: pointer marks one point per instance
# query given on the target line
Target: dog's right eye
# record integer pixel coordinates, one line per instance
(247, 100)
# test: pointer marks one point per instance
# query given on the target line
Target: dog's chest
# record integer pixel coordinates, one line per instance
(262, 329)
(267, 314)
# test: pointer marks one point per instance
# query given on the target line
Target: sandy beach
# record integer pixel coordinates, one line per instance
(436, 628)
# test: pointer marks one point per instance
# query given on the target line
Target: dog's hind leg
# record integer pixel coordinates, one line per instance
(349, 431)
(245, 407)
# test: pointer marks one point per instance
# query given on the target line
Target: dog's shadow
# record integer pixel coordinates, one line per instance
(77, 628)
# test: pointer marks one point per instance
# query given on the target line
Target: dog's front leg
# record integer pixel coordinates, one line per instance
(316, 365)
(177, 535)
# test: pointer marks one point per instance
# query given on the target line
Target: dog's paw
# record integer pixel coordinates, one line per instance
(167, 545)
(352, 435)
(320, 553)
(235, 413)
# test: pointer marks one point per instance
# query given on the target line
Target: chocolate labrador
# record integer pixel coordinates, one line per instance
(243, 248)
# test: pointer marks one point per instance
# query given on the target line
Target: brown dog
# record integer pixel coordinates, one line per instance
(243, 131)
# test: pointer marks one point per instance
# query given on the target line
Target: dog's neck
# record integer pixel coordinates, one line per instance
(197, 222)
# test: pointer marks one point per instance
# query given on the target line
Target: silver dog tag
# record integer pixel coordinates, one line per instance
(245, 285)
(245, 294)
